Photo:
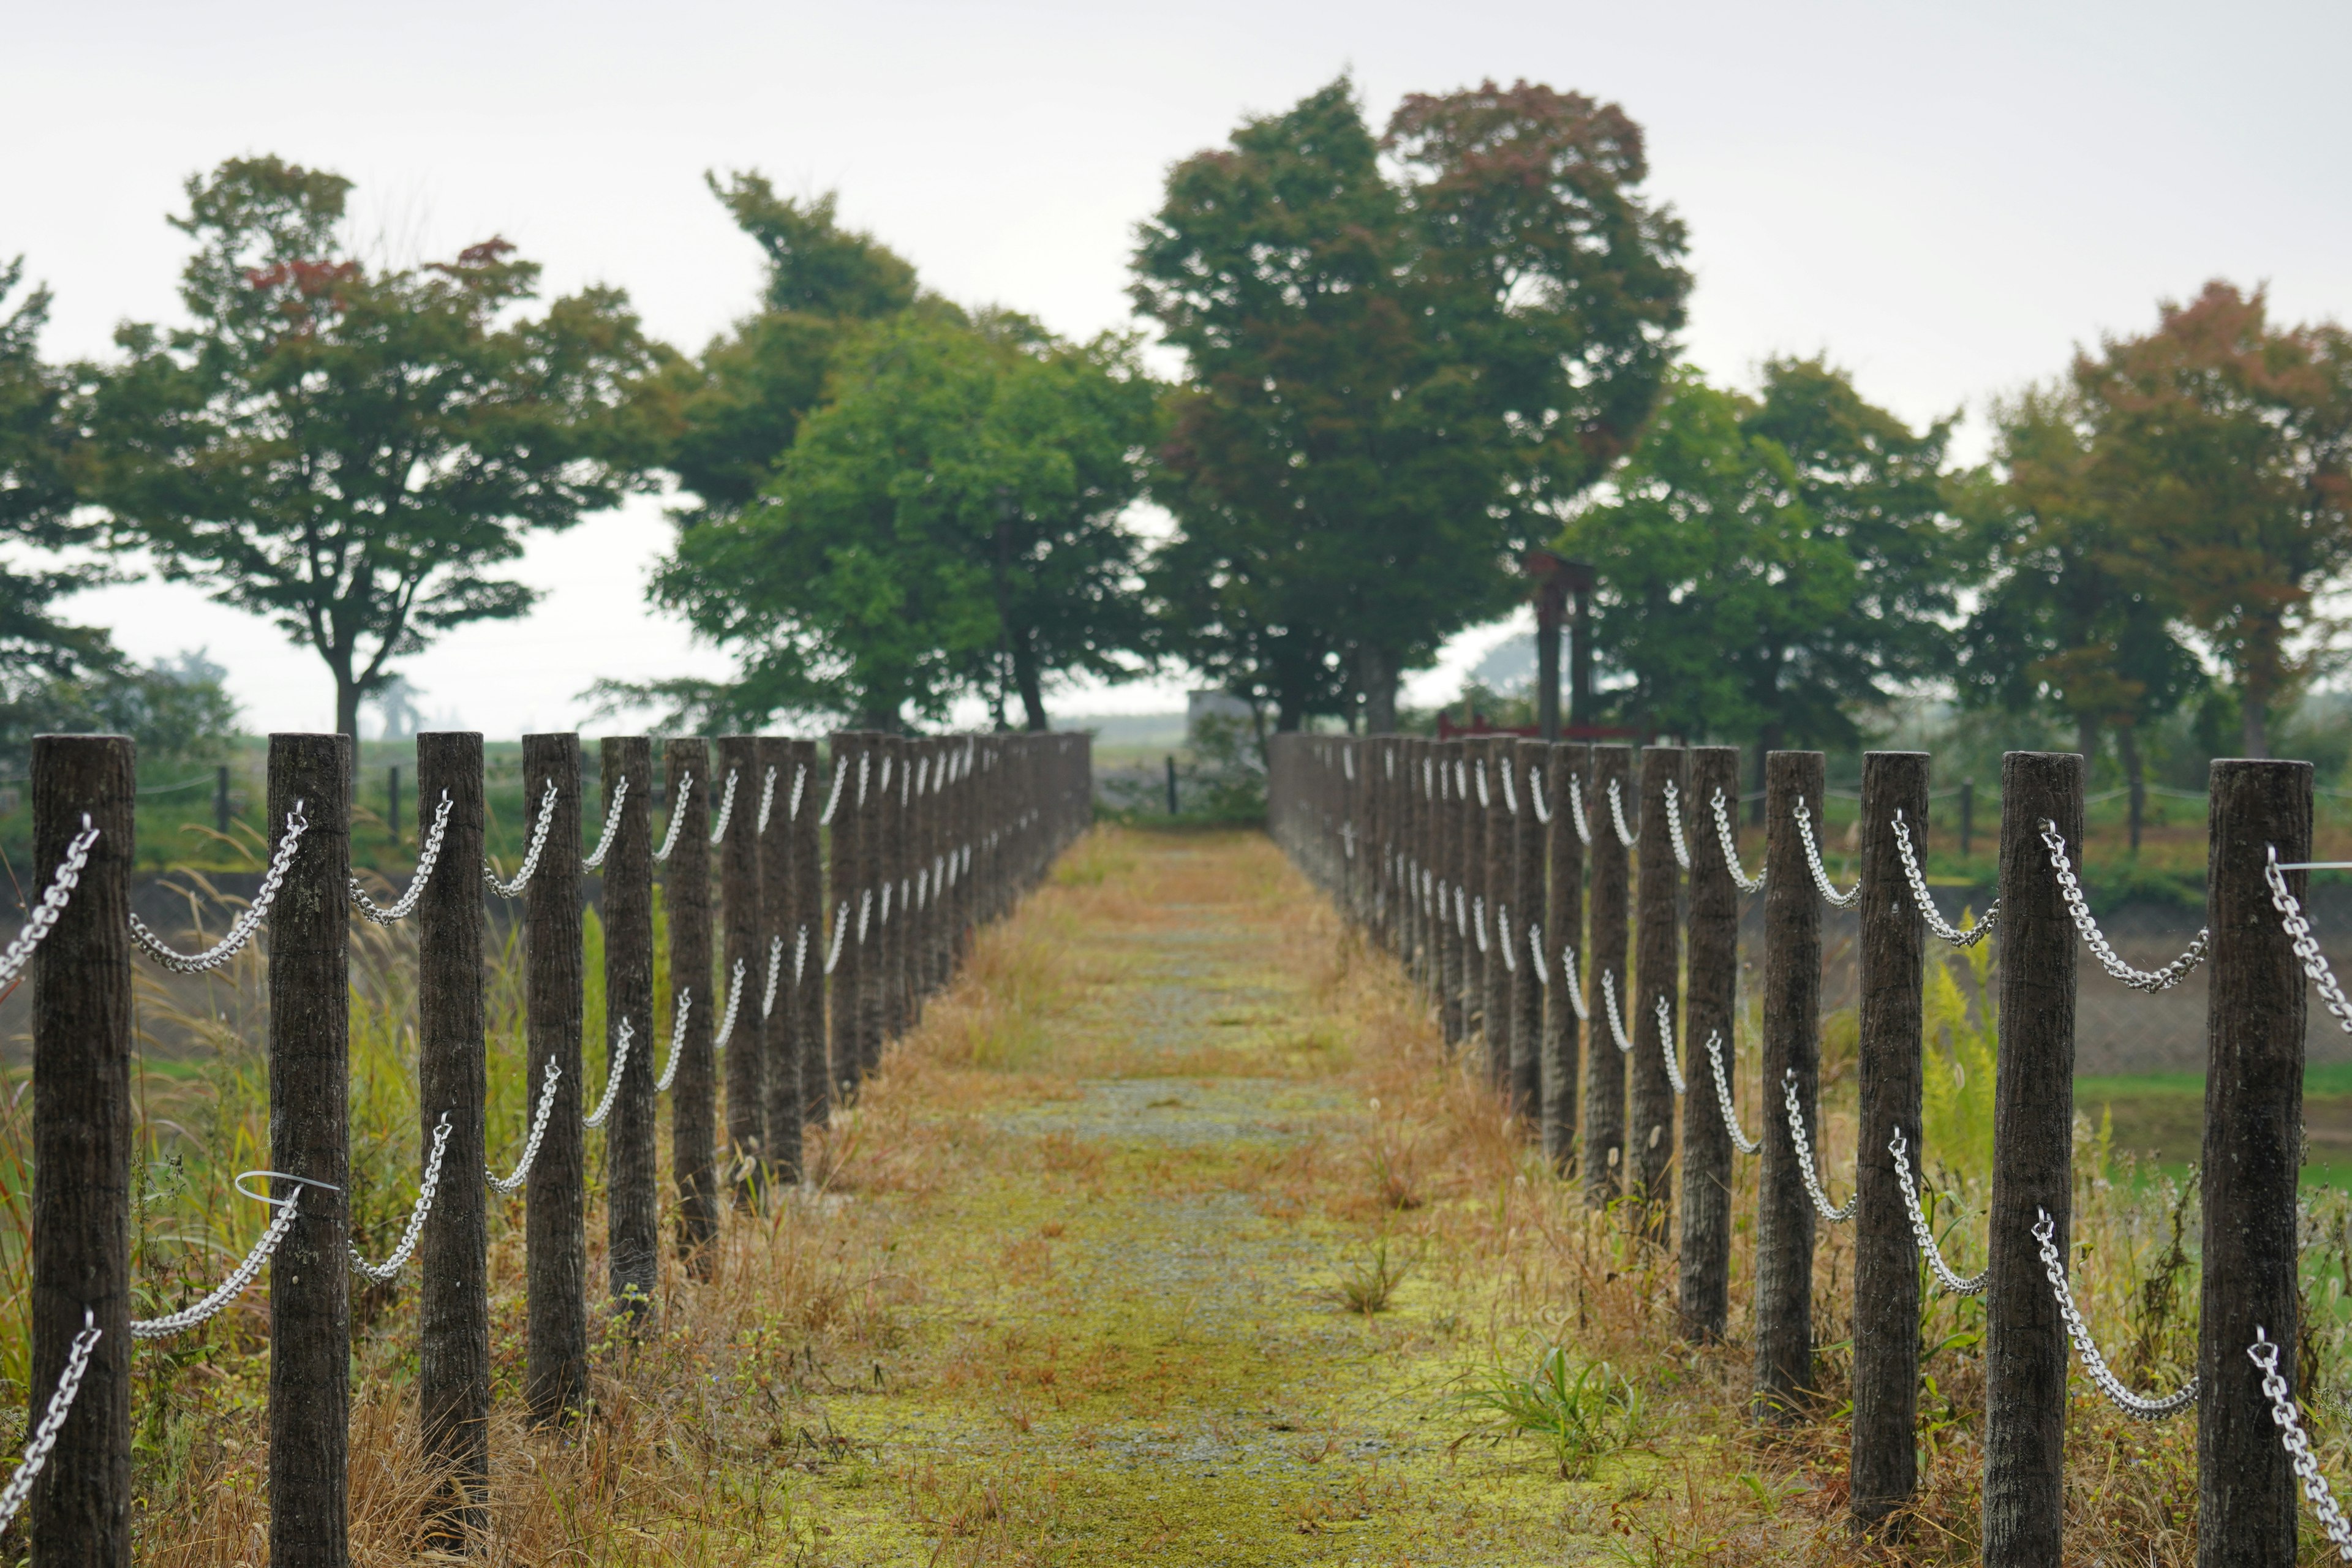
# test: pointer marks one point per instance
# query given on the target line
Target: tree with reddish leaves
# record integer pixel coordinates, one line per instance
(1407, 356)
(353, 451)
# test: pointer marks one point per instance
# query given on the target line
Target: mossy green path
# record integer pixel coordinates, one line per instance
(1119, 1337)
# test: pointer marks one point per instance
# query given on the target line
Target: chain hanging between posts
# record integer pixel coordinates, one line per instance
(2045, 1231)
(1461, 914)
(1576, 817)
(53, 904)
(1575, 983)
(537, 1132)
(677, 816)
(1478, 920)
(240, 929)
(840, 928)
(1535, 796)
(1730, 843)
(53, 1418)
(612, 825)
(678, 1016)
(2148, 980)
(1927, 910)
(734, 1002)
(531, 853)
(767, 801)
(1739, 1140)
(866, 908)
(1666, 1044)
(727, 805)
(1830, 895)
(1510, 795)
(1674, 830)
(1830, 1212)
(776, 969)
(1616, 1023)
(383, 1273)
(1536, 953)
(426, 858)
(1502, 939)
(620, 1064)
(840, 768)
(1957, 1284)
(239, 1277)
(2306, 946)
(2264, 1353)
(1625, 834)
(1485, 804)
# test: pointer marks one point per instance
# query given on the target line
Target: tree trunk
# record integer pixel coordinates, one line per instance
(1376, 673)
(2254, 720)
(1025, 674)
(2128, 746)
(347, 710)
(2086, 740)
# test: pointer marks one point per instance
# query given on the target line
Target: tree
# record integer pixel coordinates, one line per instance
(353, 451)
(1393, 385)
(952, 519)
(2222, 449)
(41, 450)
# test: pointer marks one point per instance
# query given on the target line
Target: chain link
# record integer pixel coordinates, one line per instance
(678, 1016)
(1535, 796)
(2046, 1232)
(2264, 1353)
(53, 1418)
(1674, 827)
(840, 929)
(620, 1064)
(1730, 843)
(767, 801)
(1830, 895)
(1460, 913)
(229, 1289)
(2148, 980)
(1616, 1023)
(531, 854)
(383, 1273)
(1478, 919)
(1666, 1044)
(248, 920)
(1625, 835)
(1485, 804)
(1536, 953)
(734, 1005)
(1510, 795)
(840, 767)
(727, 805)
(1830, 1212)
(1576, 817)
(1503, 942)
(426, 858)
(612, 825)
(677, 816)
(1739, 1140)
(54, 900)
(1972, 1284)
(776, 970)
(1927, 910)
(1569, 977)
(2306, 946)
(537, 1132)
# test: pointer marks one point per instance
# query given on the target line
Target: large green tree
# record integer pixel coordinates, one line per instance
(952, 519)
(353, 451)
(42, 447)
(1405, 356)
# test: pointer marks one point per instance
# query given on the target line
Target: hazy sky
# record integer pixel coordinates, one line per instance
(1944, 199)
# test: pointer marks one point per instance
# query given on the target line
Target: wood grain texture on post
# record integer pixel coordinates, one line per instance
(843, 955)
(866, 919)
(801, 987)
(778, 1036)
(79, 1513)
(555, 1242)
(1564, 1035)
(1886, 1267)
(1484, 860)
(743, 851)
(1709, 1011)
(1657, 964)
(1604, 1063)
(633, 1210)
(1451, 900)
(1528, 763)
(2254, 1020)
(686, 895)
(2033, 1164)
(1501, 886)
(890, 922)
(1792, 1022)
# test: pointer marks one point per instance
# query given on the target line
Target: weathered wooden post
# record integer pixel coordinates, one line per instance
(846, 885)
(890, 922)
(1792, 1016)
(801, 983)
(743, 852)
(555, 1243)
(1887, 1268)
(685, 894)
(1709, 1010)
(1418, 777)
(633, 1210)
(79, 1513)
(1605, 975)
(2254, 1136)
(1657, 964)
(1527, 762)
(1564, 1037)
(1452, 775)
(775, 1031)
(2033, 1155)
(1497, 883)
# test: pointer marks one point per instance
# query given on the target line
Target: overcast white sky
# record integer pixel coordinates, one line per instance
(1944, 198)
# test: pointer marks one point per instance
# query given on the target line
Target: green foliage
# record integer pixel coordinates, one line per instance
(353, 452)
(1368, 1283)
(175, 710)
(1961, 1028)
(1582, 1414)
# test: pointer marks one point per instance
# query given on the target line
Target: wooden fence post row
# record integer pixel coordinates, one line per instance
(849, 881)
(1510, 879)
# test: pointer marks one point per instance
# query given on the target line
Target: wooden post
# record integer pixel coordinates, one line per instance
(801, 987)
(844, 876)
(633, 1219)
(743, 853)
(1886, 1265)
(555, 1244)
(778, 1035)
(885, 853)
(1500, 883)
(1657, 964)
(1452, 772)
(685, 894)
(2254, 1020)
(1604, 1064)
(2032, 1155)
(1563, 929)
(1529, 761)
(1709, 1009)
(1792, 1018)
(79, 1515)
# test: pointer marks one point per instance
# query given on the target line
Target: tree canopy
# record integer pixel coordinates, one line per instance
(42, 449)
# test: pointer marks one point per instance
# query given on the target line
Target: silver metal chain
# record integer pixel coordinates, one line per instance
(1927, 910)
(799, 784)
(840, 928)
(1829, 1211)
(383, 1273)
(1576, 817)
(229, 1289)
(53, 1418)
(727, 805)
(2046, 1232)
(1460, 913)
(1666, 1044)
(767, 801)
(1535, 796)
(1730, 843)
(1478, 920)
(1674, 827)
(1348, 756)
(1510, 795)
(2148, 980)
(1616, 1023)
(1575, 983)
(612, 825)
(676, 816)
(824, 818)
(1625, 835)
(537, 1132)
(1830, 895)
(54, 900)
(612, 1078)
(1957, 1284)
(248, 920)
(426, 858)
(2306, 946)
(776, 970)
(864, 909)
(1503, 942)
(1485, 804)
(1740, 1140)
(531, 854)
(2264, 1353)
(678, 1016)
(1536, 953)
(734, 1006)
